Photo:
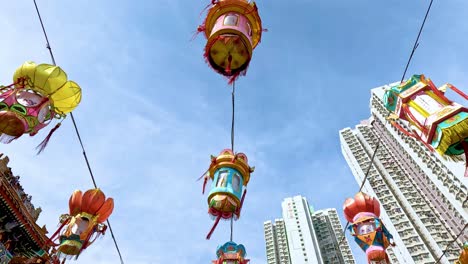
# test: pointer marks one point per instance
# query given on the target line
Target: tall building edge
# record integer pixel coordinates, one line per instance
(423, 195)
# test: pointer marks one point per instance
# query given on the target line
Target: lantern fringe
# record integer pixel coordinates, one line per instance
(454, 158)
(465, 149)
(7, 139)
(208, 236)
(455, 133)
(44, 143)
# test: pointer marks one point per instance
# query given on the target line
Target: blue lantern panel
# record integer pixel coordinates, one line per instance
(227, 180)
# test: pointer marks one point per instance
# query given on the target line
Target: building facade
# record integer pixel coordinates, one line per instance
(329, 233)
(303, 236)
(276, 242)
(302, 240)
(423, 195)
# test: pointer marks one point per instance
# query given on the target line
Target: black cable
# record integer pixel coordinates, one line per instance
(364, 181)
(84, 152)
(232, 227)
(76, 129)
(232, 134)
(45, 33)
(233, 112)
(416, 43)
(449, 244)
(415, 46)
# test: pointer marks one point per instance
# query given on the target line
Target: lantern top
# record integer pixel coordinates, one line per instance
(227, 158)
(230, 248)
(92, 203)
(362, 203)
(242, 7)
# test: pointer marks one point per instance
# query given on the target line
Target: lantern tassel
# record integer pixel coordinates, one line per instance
(204, 185)
(214, 227)
(241, 203)
(459, 92)
(228, 68)
(51, 239)
(44, 143)
(465, 148)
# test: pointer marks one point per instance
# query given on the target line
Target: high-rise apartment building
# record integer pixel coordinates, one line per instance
(276, 242)
(329, 233)
(304, 236)
(423, 195)
(302, 241)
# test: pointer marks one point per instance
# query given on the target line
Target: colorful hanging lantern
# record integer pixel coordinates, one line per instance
(39, 93)
(438, 122)
(368, 230)
(463, 259)
(85, 223)
(231, 253)
(233, 29)
(230, 174)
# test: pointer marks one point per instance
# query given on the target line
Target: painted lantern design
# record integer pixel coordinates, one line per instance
(463, 259)
(231, 253)
(39, 93)
(440, 123)
(368, 230)
(233, 29)
(84, 224)
(230, 174)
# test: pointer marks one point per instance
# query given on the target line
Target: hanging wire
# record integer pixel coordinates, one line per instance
(454, 240)
(232, 136)
(77, 131)
(364, 181)
(233, 112)
(416, 43)
(415, 46)
(232, 227)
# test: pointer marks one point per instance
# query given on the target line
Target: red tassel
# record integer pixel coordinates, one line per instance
(455, 89)
(44, 143)
(200, 29)
(465, 148)
(52, 238)
(214, 227)
(241, 203)
(204, 185)
(228, 68)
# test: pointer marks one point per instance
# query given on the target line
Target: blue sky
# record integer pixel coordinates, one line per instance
(153, 111)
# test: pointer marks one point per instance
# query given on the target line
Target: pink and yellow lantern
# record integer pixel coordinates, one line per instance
(39, 93)
(233, 29)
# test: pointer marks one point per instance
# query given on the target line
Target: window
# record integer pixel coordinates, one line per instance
(231, 20)
(28, 99)
(249, 27)
(44, 113)
(236, 182)
(222, 178)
